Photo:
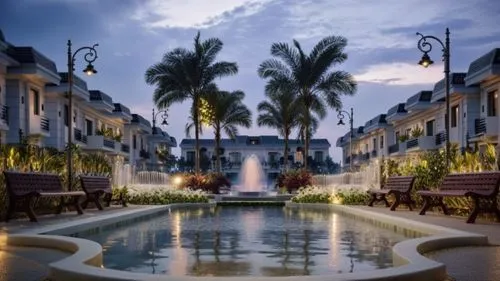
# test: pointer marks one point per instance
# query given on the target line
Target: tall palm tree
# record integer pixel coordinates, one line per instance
(280, 112)
(309, 75)
(186, 75)
(226, 112)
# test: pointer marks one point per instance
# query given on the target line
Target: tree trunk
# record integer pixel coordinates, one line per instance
(307, 136)
(285, 153)
(196, 135)
(217, 148)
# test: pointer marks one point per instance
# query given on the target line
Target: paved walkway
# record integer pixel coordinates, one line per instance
(464, 263)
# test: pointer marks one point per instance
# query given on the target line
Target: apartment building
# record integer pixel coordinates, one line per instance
(419, 123)
(34, 105)
(269, 150)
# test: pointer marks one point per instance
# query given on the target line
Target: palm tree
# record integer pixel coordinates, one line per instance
(226, 112)
(188, 74)
(309, 76)
(280, 112)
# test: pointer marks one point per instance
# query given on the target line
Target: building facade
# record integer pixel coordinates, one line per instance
(419, 123)
(34, 106)
(268, 149)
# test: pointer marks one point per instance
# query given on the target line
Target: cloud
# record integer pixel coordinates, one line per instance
(195, 13)
(122, 54)
(391, 24)
(400, 74)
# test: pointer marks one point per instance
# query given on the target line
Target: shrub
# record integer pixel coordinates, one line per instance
(312, 194)
(350, 197)
(163, 196)
(295, 179)
(211, 182)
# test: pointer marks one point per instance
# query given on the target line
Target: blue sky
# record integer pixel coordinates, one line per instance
(132, 35)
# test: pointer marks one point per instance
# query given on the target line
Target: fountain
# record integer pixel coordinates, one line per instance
(252, 180)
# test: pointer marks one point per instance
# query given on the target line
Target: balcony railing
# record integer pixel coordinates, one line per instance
(348, 160)
(480, 126)
(374, 153)
(440, 138)
(393, 148)
(108, 143)
(79, 136)
(5, 114)
(144, 154)
(125, 148)
(365, 156)
(44, 124)
(412, 143)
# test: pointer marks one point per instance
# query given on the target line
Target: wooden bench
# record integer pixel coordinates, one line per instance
(399, 186)
(481, 187)
(96, 187)
(29, 187)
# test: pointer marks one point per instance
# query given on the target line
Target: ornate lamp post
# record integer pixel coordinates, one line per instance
(164, 116)
(341, 114)
(89, 57)
(425, 47)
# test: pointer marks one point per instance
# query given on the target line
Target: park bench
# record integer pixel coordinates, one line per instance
(481, 187)
(97, 187)
(28, 188)
(399, 186)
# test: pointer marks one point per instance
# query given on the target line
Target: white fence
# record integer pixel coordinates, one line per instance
(368, 177)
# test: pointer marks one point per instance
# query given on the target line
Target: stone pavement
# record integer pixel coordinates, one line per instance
(464, 263)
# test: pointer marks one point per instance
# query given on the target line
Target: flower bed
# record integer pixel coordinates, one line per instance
(162, 195)
(316, 194)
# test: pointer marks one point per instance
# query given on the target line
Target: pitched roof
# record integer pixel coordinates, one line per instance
(30, 55)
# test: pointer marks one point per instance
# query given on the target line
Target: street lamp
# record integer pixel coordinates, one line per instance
(89, 57)
(341, 114)
(164, 115)
(425, 47)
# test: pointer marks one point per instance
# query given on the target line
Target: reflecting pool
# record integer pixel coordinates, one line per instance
(242, 241)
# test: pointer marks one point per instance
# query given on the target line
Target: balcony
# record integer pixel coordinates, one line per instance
(79, 136)
(374, 153)
(5, 114)
(144, 154)
(440, 138)
(393, 148)
(44, 124)
(486, 126)
(125, 148)
(100, 143)
(421, 143)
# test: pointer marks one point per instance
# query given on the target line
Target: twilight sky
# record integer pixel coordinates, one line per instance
(132, 35)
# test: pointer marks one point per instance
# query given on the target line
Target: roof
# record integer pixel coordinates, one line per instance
(422, 96)
(2, 37)
(77, 81)
(455, 79)
(30, 55)
(96, 95)
(379, 119)
(398, 108)
(136, 118)
(488, 59)
(121, 108)
(253, 141)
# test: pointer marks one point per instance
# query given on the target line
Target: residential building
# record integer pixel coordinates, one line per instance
(5, 62)
(268, 149)
(419, 124)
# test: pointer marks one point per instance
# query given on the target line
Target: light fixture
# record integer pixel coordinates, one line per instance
(426, 60)
(89, 70)
(341, 122)
(164, 123)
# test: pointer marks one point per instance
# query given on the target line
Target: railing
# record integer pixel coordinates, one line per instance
(5, 114)
(365, 156)
(108, 143)
(480, 126)
(44, 124)
(125, 148)
(348, 160)
(412, 143)
(374, 153)
(144, 154)
(393, 148)
(79, 136)
(440, 138)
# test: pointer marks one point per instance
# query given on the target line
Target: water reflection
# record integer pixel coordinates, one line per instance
(239, 241)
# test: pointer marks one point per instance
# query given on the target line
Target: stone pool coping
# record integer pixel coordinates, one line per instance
(85, 263)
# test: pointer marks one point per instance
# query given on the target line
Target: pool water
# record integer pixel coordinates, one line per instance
(248, 241)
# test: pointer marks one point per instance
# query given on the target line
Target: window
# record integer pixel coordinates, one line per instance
(318, 156)
(89, 126)
(492, 103)
(381, 142)
(142, 143)
(134, 141)
(66, 115)
(190, 157)
(454, 116)
(408, 132)
(366, 147)
(397, 137)
(36, 102)
(429, 128)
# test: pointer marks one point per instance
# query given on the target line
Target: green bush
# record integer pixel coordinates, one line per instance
(312, 194)
(351, 197)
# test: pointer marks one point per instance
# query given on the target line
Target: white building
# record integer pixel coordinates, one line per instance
(419, 123)
(269, 150)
